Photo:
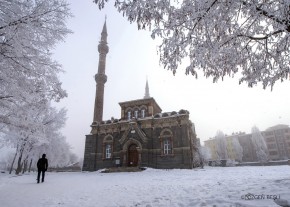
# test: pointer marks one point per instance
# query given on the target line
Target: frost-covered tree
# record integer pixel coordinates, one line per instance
(40, 126)
(221, 146)
(58, 151)
(219, 37)
(29, 30)
(205, 154)
(25, 132)
(259, 145)
(238, 150)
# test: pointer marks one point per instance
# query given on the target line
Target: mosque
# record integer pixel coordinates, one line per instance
(144, 136)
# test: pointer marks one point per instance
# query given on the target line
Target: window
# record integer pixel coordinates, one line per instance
(136, 114)
(143, 113)
(167, 146)
(108, 151)
(108, 147)
(268, 133)
(272, 146)
(273, 153)
(166, 140)
(129, 115)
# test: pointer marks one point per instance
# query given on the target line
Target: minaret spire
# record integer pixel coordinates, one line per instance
(104, 33)
(101, 77)
(146, 90)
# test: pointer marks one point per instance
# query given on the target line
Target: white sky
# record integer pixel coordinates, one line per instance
(132, 56)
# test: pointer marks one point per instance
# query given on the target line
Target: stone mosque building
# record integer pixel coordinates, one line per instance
(144, 136)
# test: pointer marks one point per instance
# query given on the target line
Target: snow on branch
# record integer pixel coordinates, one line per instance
(219, 38)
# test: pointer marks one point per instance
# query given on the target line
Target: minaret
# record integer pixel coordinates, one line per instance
(101, 77)
(146, 90)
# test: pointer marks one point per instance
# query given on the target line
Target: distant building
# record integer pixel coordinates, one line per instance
(277, 139)
(211, 145)
(249, 153)
(142, 137)
(232, 155)
(278, 142)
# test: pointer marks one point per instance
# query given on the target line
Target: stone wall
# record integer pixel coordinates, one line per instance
(90, 153)
(147, 137)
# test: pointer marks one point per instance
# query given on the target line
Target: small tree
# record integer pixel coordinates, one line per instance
(221, 146)
(259, 145)
(238, 150)
(205, 154)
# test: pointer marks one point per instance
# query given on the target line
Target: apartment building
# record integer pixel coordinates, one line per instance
(277, 139)
(278, 142)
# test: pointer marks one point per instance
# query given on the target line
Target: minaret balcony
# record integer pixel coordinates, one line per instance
(101, 78)
(103, 48)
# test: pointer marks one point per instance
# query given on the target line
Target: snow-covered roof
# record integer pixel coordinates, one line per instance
(276, 127)
(158, 115)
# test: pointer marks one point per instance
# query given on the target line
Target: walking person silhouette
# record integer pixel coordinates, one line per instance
(42, 165)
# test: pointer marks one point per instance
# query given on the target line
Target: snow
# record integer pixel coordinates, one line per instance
(212, 186)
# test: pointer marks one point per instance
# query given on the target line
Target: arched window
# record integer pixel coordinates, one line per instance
(143, 110)
(108, 147)
(136, 114)
(166, 140)
(129, 115)
(142, 113)
(108, 151)
(167, 146)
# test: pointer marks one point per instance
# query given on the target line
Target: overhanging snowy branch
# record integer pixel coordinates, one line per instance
(220, 38)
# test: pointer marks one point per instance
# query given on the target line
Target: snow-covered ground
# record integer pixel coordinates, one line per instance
(212, 186)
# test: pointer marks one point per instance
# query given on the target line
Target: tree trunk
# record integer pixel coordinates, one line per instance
(29, 169)
(19, 164)
(25, 166)
(11, 167)
(25, 161)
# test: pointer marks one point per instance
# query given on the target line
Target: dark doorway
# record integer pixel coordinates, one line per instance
(132, 155)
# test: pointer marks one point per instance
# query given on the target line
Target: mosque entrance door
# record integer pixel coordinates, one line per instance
(132, 155)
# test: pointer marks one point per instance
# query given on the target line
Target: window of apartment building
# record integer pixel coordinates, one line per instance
(268, 133)
(273, 153)
(279, 138)
(272, 146)
(271, 139)
(136, 114)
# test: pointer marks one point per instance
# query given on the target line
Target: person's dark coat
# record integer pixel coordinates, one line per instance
(42, 163)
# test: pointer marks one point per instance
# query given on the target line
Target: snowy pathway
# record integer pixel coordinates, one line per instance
(203, 187)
